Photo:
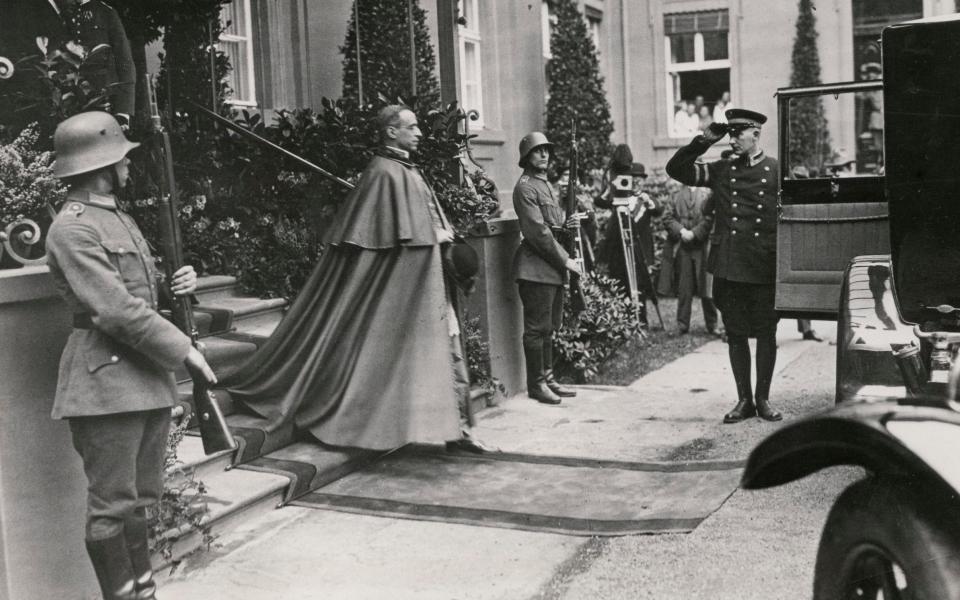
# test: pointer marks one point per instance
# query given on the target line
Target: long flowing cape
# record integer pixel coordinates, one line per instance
(362, 357)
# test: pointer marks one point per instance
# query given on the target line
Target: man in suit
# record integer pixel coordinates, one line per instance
(540, 265)
(743, 256)
(688, 230)
(116, 384)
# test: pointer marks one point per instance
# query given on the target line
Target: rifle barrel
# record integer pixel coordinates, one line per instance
(252, 136)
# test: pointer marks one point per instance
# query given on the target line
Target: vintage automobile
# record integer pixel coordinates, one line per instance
(871, 238)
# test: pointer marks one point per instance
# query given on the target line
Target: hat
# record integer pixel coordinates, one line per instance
(800, 172)
(840, 158)
(871, 66)
(741, 118)
(638, 170)
(622, 160)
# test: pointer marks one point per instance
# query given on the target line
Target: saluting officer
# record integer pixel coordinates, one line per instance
(743, 255)
(109, 66)
(540, 265)
(116, 384)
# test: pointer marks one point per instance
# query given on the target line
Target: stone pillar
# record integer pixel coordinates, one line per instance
(42, 485)
(496, 301)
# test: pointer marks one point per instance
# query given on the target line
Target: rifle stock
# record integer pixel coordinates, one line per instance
(214, 431)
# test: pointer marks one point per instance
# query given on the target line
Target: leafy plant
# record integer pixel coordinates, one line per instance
(587, 340)
(28, 193)
(183, 503)
(478, 357)
(576, 91)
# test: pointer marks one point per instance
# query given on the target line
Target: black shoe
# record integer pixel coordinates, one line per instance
(743, 410)
(111, 563)
(812, 336)
(556, 388)
(468, 444)
(767, 412)
(539, 391)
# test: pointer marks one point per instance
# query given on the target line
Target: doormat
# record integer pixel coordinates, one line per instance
(567, 495)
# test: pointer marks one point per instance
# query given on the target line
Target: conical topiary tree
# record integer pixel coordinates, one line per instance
(385, 53)
(576, 91)
(809, 137)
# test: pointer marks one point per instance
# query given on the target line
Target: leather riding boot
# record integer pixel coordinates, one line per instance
(135, 532)
(555, 387)
(766, 360)
(739, 350)
(536, 382)
(111, 563)
(767, 412)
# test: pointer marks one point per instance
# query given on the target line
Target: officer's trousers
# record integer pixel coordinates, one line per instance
(123, 456)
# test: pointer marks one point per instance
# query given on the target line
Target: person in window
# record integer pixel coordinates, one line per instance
(721, 107)
(705, 118)
(841, 164)
(743, 254)
(686, 123)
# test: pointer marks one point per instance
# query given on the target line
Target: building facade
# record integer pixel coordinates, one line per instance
(656, 56)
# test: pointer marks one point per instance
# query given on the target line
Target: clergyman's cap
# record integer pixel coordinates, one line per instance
(741, 118)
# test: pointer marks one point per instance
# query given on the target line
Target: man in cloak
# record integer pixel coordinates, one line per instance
(359, 359)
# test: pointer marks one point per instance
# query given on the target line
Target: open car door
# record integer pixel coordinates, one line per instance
(832, 204)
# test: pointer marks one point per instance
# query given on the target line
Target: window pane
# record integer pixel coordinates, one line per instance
(715, 45)
(470, 61)
(681, 48)
(233, 19)
(237, 80)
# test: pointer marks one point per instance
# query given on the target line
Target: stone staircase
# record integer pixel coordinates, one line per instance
(231, 327)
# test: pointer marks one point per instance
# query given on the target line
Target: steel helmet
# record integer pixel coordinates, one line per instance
(529, 142)
(87, 142)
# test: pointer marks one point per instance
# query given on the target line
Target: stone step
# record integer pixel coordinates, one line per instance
(215, 287)
(232, 497)
(222, 354)
(258, 316)
(192, 460)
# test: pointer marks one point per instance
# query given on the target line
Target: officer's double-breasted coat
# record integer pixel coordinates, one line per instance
(540, 258)
(121, 354)
(109, 64)
(744, 201)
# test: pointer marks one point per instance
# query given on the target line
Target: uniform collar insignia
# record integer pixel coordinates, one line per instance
(107, 201)
(530, 173)
(756, 158)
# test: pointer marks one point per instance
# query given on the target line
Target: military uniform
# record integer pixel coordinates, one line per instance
(116, 382)
(95, 25)
(744, 240)
(743, 252)
(539, 266)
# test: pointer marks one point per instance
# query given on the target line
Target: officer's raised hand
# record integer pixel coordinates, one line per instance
(198, 364)
(184, 281)
(715, 132)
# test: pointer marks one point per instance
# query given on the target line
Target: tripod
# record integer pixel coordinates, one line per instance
(634, 270)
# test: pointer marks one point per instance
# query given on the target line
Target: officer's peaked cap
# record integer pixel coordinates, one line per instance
(741, 118)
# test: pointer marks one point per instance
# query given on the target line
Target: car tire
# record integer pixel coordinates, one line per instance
(882, 540)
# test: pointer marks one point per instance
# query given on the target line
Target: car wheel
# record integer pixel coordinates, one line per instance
(883, 541)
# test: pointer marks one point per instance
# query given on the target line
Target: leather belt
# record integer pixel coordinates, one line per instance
(82, 321)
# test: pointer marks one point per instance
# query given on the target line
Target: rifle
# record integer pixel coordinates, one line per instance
(573, 244)
(214, 431)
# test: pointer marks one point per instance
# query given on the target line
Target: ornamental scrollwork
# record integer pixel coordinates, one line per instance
(21, 241)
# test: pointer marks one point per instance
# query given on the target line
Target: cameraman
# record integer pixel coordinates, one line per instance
(623, 183)
(743, 252)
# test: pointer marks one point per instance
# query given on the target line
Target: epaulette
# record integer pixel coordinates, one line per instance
(75, 208)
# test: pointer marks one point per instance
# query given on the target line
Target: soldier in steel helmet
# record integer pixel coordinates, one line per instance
(116, 384)
(743, 253)
(540, 265)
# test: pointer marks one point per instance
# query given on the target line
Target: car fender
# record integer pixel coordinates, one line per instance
(904, 442)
